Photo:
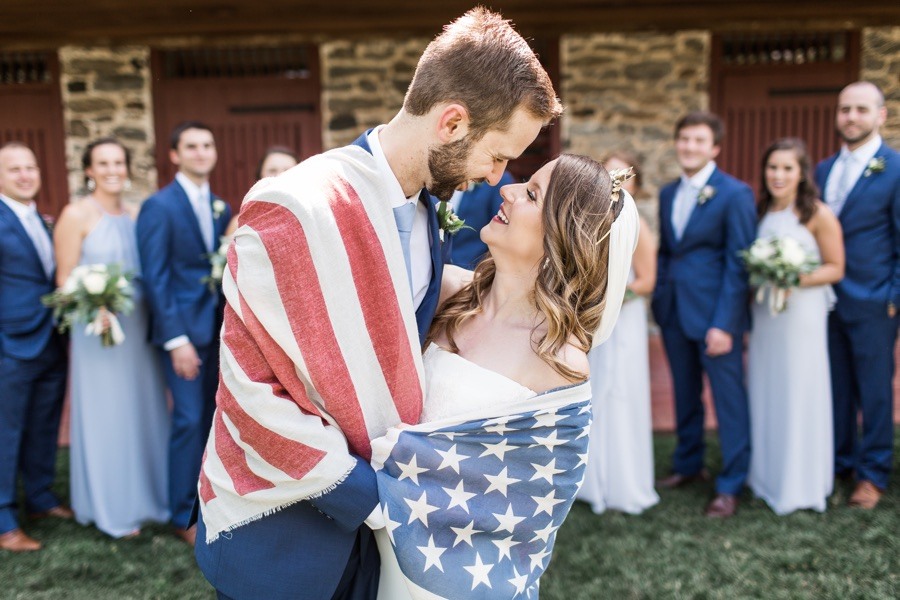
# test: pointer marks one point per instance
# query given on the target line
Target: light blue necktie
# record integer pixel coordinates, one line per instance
(41, 240)
(404, 216)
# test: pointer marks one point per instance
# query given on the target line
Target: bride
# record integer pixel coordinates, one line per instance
(473, 495)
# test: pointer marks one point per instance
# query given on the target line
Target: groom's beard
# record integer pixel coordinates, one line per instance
(447, 165)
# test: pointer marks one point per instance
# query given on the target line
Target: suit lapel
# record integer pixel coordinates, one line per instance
(700, 209)
(19, 229)
(187, 210)
(859, 188)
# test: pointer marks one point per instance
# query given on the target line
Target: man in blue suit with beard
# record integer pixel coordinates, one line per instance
(861, 184)
(700, 303)
(32, 354)
(176, 229)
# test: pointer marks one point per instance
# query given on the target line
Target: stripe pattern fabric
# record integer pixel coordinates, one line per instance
(320, 350)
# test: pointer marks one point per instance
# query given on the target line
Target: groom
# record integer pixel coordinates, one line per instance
(700, 303)
(861, 184)
(333, 280)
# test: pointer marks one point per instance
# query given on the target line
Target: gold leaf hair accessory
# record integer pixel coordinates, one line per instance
(618, 176)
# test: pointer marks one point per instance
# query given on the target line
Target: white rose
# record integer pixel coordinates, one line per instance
(792, 252)
(79, 272)
(100, 268)
(94, 282)
(71, 284)
(122, 283)
(762, 250)
(217, 271)
(218, 207)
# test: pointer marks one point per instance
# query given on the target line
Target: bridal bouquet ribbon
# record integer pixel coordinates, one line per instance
(472, 504)
(775, 265)
(94, 295)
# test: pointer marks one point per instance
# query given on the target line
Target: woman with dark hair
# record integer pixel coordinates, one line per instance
(620, 462)
(501, 445)
(789, 384)
(119, 422)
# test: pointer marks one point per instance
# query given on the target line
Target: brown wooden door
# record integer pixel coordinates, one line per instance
(31, 113)
(769, 87)
(252, 98)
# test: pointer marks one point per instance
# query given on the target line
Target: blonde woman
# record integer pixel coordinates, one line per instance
(473, 495)
(620, 463)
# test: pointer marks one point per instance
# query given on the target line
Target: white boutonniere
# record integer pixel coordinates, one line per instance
(448, 220)
(218, 207)
(706, 194)
(876, 165)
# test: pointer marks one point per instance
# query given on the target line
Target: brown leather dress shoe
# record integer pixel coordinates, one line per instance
(865, 496)
(676, 480)
(188, 535)
(58, 512)
(17, 541)
(722, 506)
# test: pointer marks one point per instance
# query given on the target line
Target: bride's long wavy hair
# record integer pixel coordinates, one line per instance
(570, 289)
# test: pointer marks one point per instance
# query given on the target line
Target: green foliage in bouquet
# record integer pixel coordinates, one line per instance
(777, 262)
(89, 289)
(217, 262)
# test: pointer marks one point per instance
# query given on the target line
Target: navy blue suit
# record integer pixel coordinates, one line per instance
(173, 264)
(32, 374)
(315, 549)
(477, 207)
(701, 284)
(861, 336)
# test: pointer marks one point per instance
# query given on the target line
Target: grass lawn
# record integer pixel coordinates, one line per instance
(671, 551)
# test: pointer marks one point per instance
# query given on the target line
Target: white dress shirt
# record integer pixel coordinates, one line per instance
(419, 243)
(34, 226)
(855, 164)
(686, 197)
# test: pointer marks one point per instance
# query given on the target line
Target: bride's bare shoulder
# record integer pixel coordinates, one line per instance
(454, 279)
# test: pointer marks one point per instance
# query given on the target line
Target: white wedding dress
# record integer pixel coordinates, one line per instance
(619, 471)
(790, 389)
(453, 386)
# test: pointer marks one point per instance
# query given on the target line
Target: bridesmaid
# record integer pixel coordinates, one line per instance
(619, 475)
(120, 422)
(789, 381)
(275, 161)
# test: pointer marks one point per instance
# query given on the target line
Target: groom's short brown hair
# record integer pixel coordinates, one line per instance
(481, 62)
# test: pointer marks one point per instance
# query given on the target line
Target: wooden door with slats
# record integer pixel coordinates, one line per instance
(252, 98)
(31, 113)
(769, 86)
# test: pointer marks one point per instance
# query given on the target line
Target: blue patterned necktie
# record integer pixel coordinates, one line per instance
(404, 216)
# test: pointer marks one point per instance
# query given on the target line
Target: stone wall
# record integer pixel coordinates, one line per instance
(627, 91)
(881, 65)
(106, 91)
(363, 84)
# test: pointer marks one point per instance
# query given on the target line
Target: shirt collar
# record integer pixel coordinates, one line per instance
(395, 190)
(21, 210)
(699, 179)
(864, 153)
(193, 192)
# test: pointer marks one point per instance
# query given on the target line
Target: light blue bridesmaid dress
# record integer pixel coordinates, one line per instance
(120, 419)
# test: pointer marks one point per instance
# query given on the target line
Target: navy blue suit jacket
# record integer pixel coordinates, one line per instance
(701, 280)
(173, 265)
(26, 325)
(870, 219)
(477, 207)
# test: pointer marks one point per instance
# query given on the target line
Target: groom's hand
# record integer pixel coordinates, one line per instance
(185, 361)
(718, 342)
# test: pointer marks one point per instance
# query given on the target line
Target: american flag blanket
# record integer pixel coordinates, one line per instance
(472, 504)
(320, 351)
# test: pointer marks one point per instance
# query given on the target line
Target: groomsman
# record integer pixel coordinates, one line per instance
(176, 229)
(861, 184)
(32, 354)
(700, 304)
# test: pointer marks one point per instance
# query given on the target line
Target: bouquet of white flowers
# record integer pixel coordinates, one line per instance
(775, 265)
(217, 262)
(94, 294)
